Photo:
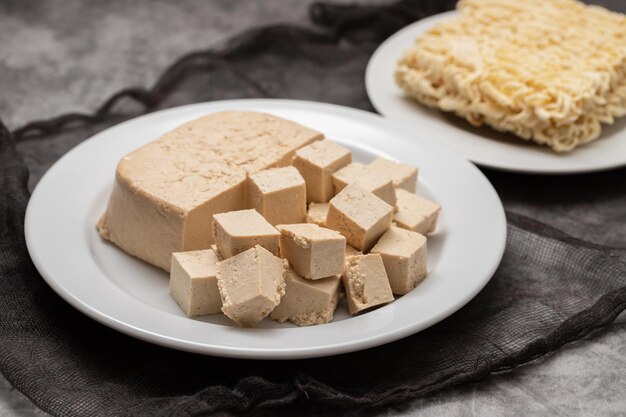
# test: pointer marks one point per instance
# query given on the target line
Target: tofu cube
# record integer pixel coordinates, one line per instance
(351, 251)
(317, 162)
(416, 213)
(237, 231)
(404, 256)
(251, 285)
(313, 252)
(360, 174)
(403, 176)
(214, 249)
(359, 215)
(278, 194)
(193, 282)
(317, 214)
(365, 282)
(307, 302)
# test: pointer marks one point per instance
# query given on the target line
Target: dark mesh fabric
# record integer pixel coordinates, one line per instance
(550, 289)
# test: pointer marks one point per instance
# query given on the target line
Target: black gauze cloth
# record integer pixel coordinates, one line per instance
(550, 288)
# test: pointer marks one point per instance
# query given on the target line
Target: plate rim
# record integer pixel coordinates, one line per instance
(482, 161)
(246, 352)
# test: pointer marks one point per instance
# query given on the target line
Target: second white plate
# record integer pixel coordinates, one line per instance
(483, 146)
(131, 296)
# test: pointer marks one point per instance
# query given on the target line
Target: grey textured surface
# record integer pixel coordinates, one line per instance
(59, 56)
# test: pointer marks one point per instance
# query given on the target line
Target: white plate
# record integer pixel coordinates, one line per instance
(483, 146)
(131, 296)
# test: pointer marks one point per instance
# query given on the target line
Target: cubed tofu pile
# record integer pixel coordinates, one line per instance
(322, 228)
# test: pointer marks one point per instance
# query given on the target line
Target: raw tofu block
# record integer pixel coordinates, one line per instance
(350, 251)
(359, 215)
(166, 192)
(278, 194)
(317, 214)
(251, 284)
(402, 175)
(307, 302)
(371, 181)
(316, 163)
(313, 252)
(404, 256)
(416, 213)
(237, 231)
(193, 282)
(366, 283)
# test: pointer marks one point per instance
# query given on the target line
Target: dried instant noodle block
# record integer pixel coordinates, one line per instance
(547, 71)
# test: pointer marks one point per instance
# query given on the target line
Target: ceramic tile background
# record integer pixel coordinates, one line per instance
(67, 55)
